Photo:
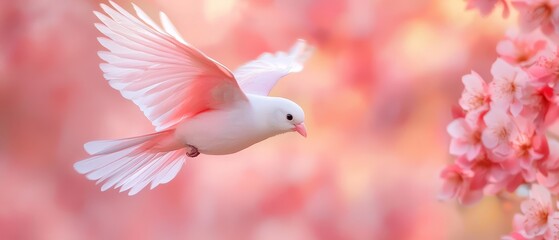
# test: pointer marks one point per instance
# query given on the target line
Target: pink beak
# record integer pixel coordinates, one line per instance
(300, 128)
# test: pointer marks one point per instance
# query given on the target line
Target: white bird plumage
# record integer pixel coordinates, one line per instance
(195, 103)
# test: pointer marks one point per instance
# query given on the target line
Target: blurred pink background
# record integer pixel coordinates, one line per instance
(377, 95)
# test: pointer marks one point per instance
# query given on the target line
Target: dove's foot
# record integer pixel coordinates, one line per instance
(193, 151)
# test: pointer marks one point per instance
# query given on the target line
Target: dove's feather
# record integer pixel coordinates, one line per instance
(170, 28)
(168, 79)
(259, 76)
(132, 163)
(105, 146)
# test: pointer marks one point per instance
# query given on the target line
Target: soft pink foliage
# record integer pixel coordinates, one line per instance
(522, 49)
(487, 6)
(374, 94)
(543, 14)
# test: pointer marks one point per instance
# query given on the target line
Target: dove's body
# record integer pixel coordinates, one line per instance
(196, 104)
(229, 130)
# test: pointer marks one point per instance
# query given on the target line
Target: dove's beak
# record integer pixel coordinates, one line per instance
(300, 128)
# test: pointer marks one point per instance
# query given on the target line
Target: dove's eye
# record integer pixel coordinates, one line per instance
(289, 117)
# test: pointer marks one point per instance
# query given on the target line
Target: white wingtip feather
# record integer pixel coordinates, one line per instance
(300, 52)
(97, 14)
(170, 28)
(143, 15)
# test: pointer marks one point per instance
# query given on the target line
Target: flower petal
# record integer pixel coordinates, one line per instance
(457, 128)
(489, 139)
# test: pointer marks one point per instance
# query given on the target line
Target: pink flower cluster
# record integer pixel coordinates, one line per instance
(539, 219)
(487, 6)
(499, 131)
(501, 134)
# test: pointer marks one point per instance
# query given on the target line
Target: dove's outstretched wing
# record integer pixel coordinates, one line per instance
(260, 76)
(160, 72)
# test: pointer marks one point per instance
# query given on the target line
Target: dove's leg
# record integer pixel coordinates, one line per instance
(193, 152)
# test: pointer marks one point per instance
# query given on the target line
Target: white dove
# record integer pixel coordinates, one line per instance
(195, 103)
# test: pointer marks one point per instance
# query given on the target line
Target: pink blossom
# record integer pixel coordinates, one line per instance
(498, 131)
(539, 108)
(515, 144)
(458, 184)
(509, 183)
(551, 114)
(485, 170)
(548, 174)
(553, 225)
(466, 139)
(475, 97)
(522, 49)
(517, 224)
(485, 7)
(509, 86)
(528, 151)
(545, 71)
(537, 13)
(536, 212)
(529, 145)
(529, 148)
(549, 180)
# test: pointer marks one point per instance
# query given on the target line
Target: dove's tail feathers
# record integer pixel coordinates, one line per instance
(133, 163)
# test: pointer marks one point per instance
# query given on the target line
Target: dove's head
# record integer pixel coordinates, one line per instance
(285, 116)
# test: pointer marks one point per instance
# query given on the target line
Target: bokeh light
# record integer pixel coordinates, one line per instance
(377, 95)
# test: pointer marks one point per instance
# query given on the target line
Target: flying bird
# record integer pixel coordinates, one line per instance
(196, 104)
